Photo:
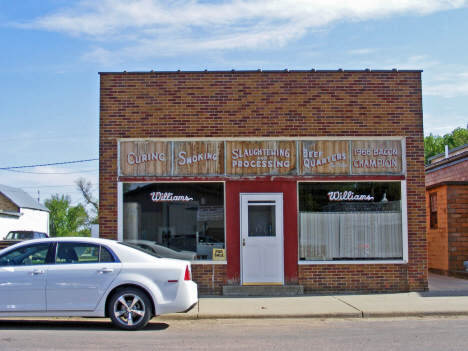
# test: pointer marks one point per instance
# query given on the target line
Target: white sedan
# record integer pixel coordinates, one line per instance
(91, 277)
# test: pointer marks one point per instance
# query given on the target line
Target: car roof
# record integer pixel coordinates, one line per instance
(98, 241)
(123, 252)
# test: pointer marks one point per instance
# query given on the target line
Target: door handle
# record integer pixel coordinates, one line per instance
(106, 270)
(243, 242)
(36, 272)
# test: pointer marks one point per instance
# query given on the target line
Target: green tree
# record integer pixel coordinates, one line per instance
(435, 144)
(64, 219)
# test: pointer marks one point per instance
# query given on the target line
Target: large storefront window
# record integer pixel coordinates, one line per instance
(350, 221)
(177, 220)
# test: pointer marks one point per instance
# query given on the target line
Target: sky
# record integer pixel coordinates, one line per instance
(52, 50)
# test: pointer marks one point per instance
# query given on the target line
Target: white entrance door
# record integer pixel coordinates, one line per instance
(262, 239)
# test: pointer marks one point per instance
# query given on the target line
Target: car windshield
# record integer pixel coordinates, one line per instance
(140, 249)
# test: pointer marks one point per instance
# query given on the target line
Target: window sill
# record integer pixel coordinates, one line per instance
(303, 263)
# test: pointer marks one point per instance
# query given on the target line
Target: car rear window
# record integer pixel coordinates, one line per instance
(140, 249)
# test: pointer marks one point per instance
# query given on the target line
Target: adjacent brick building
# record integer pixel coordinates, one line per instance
(447, 212)
(274, 178)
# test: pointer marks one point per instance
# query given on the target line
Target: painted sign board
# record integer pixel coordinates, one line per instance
(198, 157)
(260, 157)
(324, 157)
(376, 157)
(265, 157)
(145, 158)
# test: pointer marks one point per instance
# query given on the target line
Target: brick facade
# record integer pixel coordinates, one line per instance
(274, 104)
(448, 243)
(324, 279)
(456, 172)
(210, 278)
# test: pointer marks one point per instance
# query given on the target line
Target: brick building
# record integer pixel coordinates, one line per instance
(447, 212)
(306, 179)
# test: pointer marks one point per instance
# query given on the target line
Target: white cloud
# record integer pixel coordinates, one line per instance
(453, 83)
(157, 28)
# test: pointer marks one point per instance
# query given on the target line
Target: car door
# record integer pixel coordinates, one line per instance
(81, 274)
(23, 276)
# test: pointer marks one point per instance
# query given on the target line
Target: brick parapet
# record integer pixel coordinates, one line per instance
(452, 172)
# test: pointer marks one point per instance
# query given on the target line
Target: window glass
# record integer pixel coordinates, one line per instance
(176, 220)
(26, 255)
(349, 221)
(105, 255)
(77, 253)
(433, 209)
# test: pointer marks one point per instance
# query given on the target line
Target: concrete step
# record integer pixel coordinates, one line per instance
(263, 290)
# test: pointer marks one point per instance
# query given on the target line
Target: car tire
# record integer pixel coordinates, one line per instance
(129, 309)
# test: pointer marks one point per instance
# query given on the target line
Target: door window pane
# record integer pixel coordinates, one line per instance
(105, 255)
(262, 220)
(26, 255)
(77, 253)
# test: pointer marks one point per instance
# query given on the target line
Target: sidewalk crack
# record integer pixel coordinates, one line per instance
(357, 309)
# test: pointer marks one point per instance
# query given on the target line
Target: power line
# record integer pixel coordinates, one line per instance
(46, 186)
(47, 138)
(49, 164)
(12, 170)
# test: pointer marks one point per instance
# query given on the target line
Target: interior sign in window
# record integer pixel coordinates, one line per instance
(169, 197)
(347, 196)
(210, 213)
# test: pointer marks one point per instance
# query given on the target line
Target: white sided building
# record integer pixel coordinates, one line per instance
(19, 211)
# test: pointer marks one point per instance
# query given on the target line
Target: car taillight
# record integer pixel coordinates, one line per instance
(188, 275)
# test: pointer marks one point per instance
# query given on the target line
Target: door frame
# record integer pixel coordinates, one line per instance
(279, 218)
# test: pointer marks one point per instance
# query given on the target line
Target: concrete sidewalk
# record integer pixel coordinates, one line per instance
(446, 297)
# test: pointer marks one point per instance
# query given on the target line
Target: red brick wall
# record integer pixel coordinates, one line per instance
(278, 104)
(457, 218)
(353, 278)
(210, 278)
(456, 172)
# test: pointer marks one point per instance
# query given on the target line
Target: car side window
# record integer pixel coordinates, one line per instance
(26, 255)
(76, 253)
(105, 255)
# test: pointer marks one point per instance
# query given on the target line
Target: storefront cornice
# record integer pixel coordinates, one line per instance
(243, 178)
(266, 71)
(273, 138)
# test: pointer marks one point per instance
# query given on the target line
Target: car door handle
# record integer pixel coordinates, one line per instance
(106, 270)
(36, 271)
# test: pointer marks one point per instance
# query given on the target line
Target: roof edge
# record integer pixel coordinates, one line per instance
(270, 71)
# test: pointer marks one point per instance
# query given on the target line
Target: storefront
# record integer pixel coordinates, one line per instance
(308, 178)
